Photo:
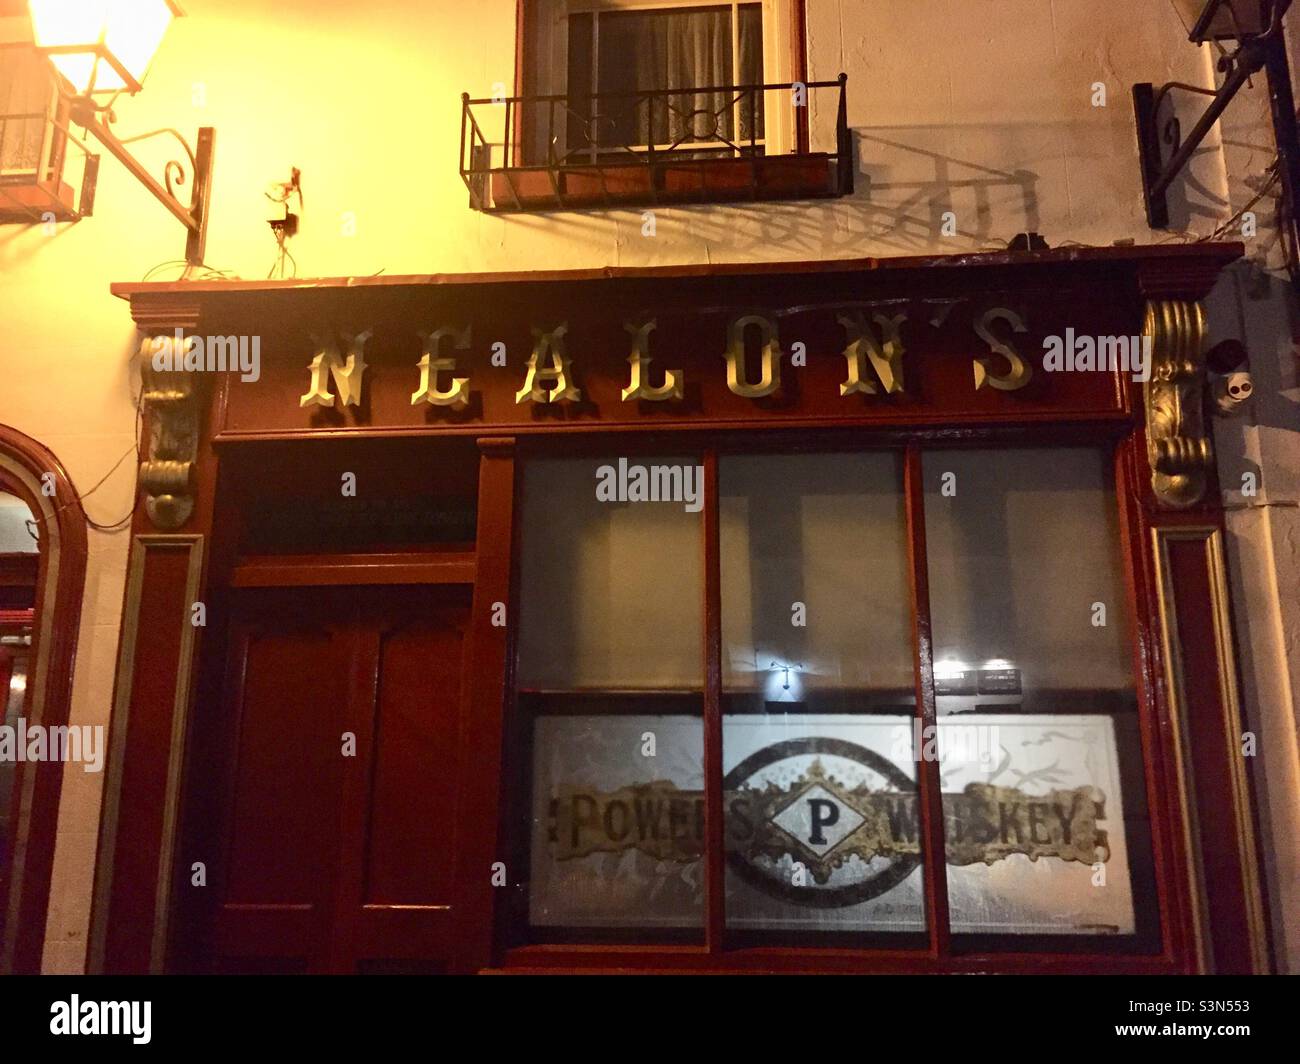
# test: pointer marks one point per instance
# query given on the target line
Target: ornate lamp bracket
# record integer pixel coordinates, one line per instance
(171, 430)
(1178, 444)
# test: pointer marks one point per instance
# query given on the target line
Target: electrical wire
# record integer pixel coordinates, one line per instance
(190, 272)
(279, 263)
(80, 498)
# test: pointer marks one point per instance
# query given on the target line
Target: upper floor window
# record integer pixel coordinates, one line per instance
(709, 50)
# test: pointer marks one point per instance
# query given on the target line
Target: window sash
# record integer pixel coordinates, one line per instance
(938, 935)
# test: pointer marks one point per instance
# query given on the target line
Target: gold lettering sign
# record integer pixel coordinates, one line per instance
(432, 363)
(329, 363)
(1020, 372)
(673, 386)
(873, 356)
(548, 344)
(770, 380)
(885, 354)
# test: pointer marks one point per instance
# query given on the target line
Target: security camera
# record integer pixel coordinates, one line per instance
(1231, 393)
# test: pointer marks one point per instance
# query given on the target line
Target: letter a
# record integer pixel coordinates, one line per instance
(558, 372)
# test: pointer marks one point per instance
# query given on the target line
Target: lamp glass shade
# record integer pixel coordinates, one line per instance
(101, 45)
(1221, 20)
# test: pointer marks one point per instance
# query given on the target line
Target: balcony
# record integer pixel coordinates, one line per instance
(713, 144)
(40, 179)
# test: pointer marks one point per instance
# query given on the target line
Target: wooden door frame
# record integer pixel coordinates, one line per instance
(31, 471)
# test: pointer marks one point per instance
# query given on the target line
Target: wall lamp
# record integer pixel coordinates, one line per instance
(103, 48)
(1248, 33)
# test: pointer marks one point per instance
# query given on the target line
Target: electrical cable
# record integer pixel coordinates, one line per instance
(80, 498)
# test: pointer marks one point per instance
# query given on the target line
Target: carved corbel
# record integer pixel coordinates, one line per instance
(171, 412)
(1178, 444)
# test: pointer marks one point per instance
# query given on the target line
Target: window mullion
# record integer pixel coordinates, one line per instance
(714, 860)
(934, 865)
(594, 105)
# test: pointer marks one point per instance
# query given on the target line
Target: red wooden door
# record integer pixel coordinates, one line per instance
(342, 710)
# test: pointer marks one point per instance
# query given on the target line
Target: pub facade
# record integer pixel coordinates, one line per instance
(657, 565)
(783, 617)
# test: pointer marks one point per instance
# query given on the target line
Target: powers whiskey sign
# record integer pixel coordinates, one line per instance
(819, 823)
(824, 830)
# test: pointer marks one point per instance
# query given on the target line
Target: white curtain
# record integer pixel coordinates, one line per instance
(684, 49)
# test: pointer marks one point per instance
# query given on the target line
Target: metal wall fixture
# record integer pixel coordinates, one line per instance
(1249, 36)
(103, 49)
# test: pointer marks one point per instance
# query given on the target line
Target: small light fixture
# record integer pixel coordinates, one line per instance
(105, 47)
(1224, 20)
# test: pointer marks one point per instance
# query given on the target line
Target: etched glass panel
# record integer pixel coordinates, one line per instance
(617, 835)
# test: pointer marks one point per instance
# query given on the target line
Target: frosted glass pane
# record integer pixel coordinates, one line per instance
(616, 836)
(1033, 809)
(822, 827)
(611, 593)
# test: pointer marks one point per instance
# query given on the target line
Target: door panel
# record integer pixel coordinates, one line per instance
(395, 897)
(338, 854)
(285, 683)
(413, 782)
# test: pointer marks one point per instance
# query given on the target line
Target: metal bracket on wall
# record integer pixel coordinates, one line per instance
(1265, 52)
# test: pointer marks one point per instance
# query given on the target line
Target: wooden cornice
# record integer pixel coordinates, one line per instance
(1160, 271)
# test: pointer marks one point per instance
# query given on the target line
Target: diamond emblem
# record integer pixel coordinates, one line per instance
(818, 820)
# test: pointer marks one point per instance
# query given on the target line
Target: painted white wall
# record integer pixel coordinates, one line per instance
(981, 107)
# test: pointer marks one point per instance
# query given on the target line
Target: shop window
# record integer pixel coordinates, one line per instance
(1046, 831)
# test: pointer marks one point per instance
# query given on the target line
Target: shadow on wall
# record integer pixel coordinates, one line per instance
(909, 212)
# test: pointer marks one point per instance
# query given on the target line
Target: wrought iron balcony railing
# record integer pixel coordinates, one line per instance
(707, 144)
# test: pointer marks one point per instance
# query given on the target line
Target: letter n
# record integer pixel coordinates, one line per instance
(346, 373)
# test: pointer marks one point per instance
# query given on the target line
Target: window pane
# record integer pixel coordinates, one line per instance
(617, 835)
(612, 592)
(816, 600)
(1023, 547)
(819, 790)
(685, 48)
(1047, 830)
(822, 824)
(18, 573)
